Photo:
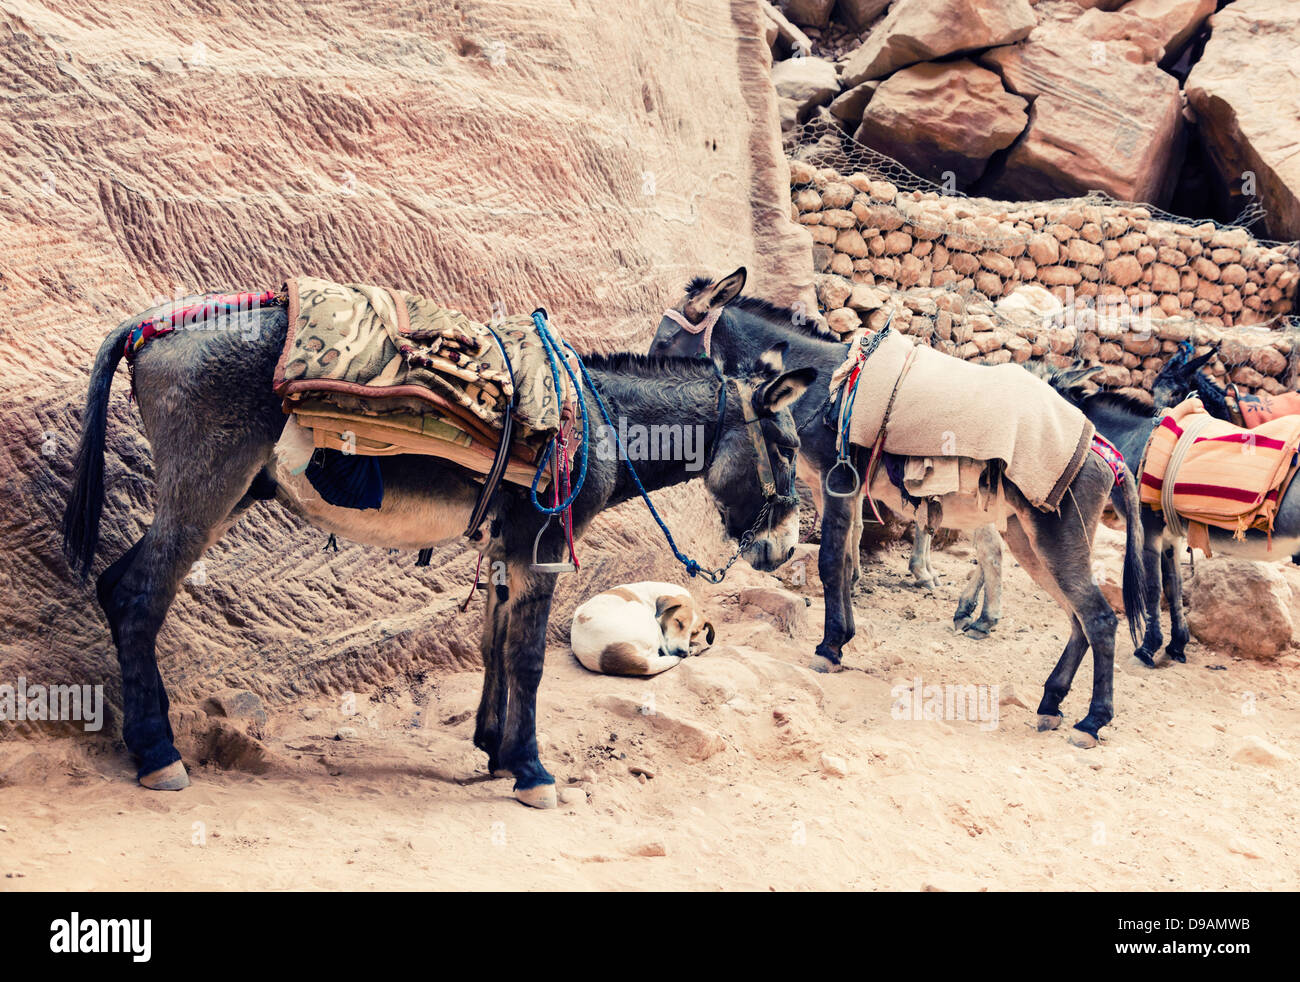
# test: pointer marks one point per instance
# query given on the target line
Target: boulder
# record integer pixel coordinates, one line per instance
(1114, 130)
(806, 82)
(923, 30)
(1240, 606)
(859, 14)
(1029, 302)
(847, 107)
(808, 13)
(943, 117)
(1243, 91)
(788, 611)
(1172, 21)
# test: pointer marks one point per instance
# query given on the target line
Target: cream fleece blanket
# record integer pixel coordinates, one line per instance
(947, 407)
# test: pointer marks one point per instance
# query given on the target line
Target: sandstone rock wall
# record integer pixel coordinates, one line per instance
(520, 155)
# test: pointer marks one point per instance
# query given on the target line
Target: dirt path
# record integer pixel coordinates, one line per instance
(1178, 796)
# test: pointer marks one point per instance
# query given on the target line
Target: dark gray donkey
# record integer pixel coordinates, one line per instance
(1054, 548)
(1127, 423)
(213, 422)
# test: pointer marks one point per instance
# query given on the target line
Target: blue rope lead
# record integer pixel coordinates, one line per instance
(692, 567)
(552, 351)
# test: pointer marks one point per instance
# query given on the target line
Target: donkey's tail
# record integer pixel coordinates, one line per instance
(1126, 501)
(86, 500)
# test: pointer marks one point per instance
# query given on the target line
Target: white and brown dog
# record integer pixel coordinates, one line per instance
(638, 629)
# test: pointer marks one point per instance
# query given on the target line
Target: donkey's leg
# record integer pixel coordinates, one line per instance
(136, 592)
(492, 703)
(1063, 541)
(1058, 683)
(835, 564)
(919, 564)
(1152, 533)
(988, 553)
(525, 656)
(1178, 630)
(963, 617)
(1055, 551)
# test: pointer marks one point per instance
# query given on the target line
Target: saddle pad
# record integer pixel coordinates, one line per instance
(1232, 477)
(391, 348)
(946, 407)
(410, 434)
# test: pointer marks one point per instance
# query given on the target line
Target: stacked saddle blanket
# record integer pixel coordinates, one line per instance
(382, 371)
(1230, 477)
(939, 406)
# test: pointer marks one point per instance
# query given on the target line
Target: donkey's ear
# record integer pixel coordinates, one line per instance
(784, 390)
(1078, 374)
(719, 293)
(771, 362)
(1195, 364)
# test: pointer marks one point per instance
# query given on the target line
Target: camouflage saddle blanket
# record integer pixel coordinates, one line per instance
(376, 371)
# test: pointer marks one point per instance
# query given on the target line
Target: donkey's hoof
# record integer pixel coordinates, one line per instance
(501, 772)
(1082, 738)
(1177, 656)
(1144, 656)
(173, 777)
(820, 663)
(962, 621)
(977, 632)
(1048, 722)
(541, 796)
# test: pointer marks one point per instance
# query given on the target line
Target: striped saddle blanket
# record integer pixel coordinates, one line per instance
(1207, 471)
(376, 371)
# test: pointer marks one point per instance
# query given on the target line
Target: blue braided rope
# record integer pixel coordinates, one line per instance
(552, 351)
(692, 567)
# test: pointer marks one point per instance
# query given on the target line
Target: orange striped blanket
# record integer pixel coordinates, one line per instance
(1228, 477)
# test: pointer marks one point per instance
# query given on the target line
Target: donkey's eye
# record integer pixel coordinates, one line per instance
(787, 454)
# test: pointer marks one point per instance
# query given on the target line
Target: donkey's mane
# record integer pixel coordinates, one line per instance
(782, 316)
(653, 367)
(1079, 394)
(1108, 398)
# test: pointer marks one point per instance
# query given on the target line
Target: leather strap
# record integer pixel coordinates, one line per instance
(754, 426)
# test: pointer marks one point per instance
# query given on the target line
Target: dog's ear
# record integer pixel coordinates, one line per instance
(708, 633)
(667, 605)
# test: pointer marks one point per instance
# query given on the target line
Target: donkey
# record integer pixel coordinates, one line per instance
(1127, 423)
(1055, 548)
(716, 319)
(212, 420)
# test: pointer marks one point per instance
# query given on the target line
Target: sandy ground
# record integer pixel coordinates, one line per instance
(1177, 796)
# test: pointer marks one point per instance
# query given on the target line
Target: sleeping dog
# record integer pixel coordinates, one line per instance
(638, 629)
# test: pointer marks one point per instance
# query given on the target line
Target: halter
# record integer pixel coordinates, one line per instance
(706, 326)
(754, 427)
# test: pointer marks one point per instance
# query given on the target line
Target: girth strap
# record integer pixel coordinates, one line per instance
(1173, 521)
